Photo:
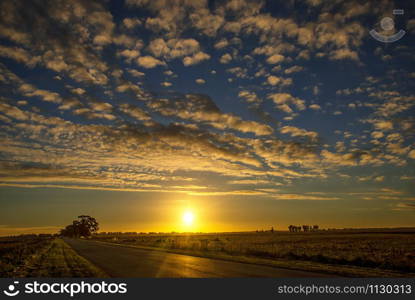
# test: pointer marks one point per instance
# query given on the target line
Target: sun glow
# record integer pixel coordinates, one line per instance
(188, 218)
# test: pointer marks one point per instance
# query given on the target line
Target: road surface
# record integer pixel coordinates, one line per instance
(124, 261)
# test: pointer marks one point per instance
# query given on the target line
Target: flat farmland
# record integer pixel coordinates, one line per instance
(343, 252)
(16, 251)
(332, 253)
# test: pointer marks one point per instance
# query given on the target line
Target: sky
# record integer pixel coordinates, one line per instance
(249, 114)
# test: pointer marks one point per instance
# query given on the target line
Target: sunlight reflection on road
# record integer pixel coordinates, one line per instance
(189, 266)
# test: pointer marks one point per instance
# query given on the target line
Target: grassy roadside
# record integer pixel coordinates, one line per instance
(336, 270)
(16, 251)
(58, 259)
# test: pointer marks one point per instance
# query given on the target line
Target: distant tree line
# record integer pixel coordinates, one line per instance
(84, 226)
(305, 228)
(272, 230)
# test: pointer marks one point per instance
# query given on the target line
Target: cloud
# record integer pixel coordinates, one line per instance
(340, 147)
(101, 106)
(244, 8)
(64, 43)
(293, 69)
(201, 108)
(315, 107)
(225, 58)
(195, 59)
(397, 148)
(275, 59)
(48, 96)
(22, 102)
(383, 125)
(135, 148)
(119, 143)
(131, 22)
(129, 54)
(377, 134)
(393, 104)
(379, 178)
(127, 86)
(282, 101)
(406, 206)
(78, 91)
(136, 73)
(250, 97)
(273, 80)
(13, 112)
(238, 72)
(173, 48)
(80, 187)
(69, 103)
(394, 137)
(91, 114)
(20, 55)
(134, 112)
(295, 131)
(250, 182)
(347, 159)
(149, 62)
(207, 23)
(173, 18)
(104, 124)
(341, 54)
(227, 193)
(223, 43)
(301, 197)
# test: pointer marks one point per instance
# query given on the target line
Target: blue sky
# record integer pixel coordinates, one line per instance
(252, 113)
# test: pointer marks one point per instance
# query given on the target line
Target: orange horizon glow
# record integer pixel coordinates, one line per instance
(51, 231)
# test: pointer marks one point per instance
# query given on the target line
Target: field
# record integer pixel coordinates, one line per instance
(345, 252)
(354, 253)
(15, 252)
(42, 256)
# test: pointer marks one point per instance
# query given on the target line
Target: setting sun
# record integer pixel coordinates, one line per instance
(188, 218)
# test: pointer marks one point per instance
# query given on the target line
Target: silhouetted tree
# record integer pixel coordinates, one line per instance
(293, 228)
(70, 230)
(84, 226)
(87, 225)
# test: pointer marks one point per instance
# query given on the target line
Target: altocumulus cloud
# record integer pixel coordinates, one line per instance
(122, 101)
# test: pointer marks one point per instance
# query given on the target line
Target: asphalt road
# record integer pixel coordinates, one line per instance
(123, 261)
